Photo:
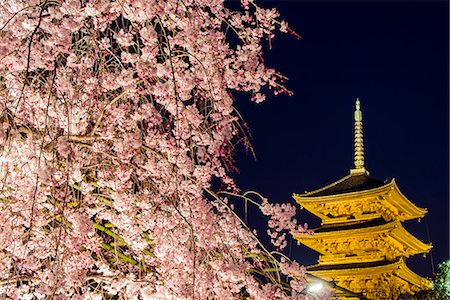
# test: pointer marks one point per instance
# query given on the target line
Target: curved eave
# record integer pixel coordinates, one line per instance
(413, 210)
(398, 268)
(309, 194)
(307, 199)
(389, 192)
(395, 230)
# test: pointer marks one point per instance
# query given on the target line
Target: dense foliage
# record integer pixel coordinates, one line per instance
(441, 284)
(115, 118)
(441, 281)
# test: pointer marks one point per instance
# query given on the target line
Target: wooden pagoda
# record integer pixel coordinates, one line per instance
(362, 244)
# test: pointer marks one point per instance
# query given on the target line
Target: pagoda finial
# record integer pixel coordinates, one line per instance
(359, 142)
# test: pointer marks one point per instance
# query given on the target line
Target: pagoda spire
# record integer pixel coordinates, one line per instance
(359, 141)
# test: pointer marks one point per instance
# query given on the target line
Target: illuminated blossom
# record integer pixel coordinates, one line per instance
(115, 118)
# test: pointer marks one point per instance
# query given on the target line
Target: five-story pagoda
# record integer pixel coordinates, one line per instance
(361, 241)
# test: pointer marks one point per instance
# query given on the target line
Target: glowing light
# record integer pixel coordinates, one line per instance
(315, 287)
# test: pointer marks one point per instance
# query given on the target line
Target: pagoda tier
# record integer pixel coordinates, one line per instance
(365, 242)
(373, 280)
(357, 198)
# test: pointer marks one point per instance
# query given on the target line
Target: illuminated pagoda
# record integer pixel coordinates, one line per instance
(362, 244)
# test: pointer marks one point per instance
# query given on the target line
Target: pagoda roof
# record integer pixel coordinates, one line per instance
(376, 280)
(369, 241)
(359, 197)
(347, 184)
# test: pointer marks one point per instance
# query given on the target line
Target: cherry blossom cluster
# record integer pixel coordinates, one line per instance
(115, 118)
(282, 219)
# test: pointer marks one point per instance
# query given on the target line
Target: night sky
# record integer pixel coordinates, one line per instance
(394, 57)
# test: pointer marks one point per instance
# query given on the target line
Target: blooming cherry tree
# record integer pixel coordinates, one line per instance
(115, 118)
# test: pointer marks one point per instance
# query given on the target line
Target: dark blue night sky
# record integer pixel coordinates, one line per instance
(394, 57)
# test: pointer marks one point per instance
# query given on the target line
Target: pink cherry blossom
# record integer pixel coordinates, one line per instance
(116, 116)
